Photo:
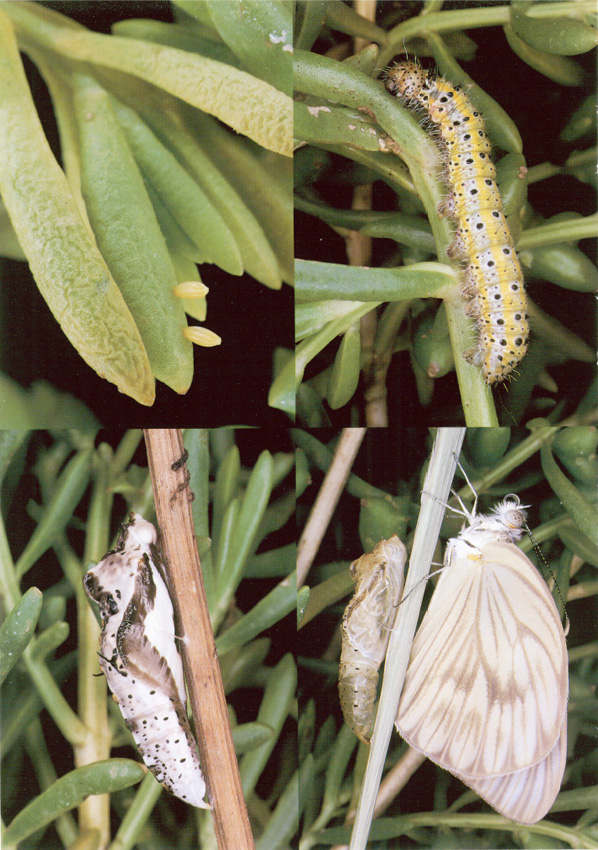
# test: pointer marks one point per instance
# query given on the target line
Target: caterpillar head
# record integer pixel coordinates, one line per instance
(406, 80)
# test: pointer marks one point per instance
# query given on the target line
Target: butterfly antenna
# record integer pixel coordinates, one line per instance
(547, 565)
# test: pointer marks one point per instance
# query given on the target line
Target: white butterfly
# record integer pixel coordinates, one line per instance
(485, 695)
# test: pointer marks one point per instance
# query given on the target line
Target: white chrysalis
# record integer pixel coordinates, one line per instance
(139, 657)
(365, 630)
(485, 695)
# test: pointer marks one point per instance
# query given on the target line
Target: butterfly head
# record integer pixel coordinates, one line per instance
(510, 514)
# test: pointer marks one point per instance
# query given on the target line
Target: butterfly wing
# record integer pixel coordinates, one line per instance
(526, 795)
(486, 687)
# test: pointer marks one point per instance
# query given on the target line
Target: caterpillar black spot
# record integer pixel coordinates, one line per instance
(492, 280)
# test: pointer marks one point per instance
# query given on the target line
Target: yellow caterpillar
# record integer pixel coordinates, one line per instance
(492, 279)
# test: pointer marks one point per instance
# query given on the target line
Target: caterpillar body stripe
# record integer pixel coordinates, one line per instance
(492, 279)
(140, 659)
(365, 630)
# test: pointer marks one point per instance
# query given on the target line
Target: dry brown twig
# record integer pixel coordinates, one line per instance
(170, 480)
(338, 472)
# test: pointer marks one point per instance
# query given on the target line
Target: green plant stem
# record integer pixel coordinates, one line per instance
(9, 586)
(49, 692)
(269, 610)
(92, 692)
(513, 459)
(308, 349)
(565, 7)
(125, 451)
(560, 231)
(449, 21)
(137, 815)
(278, 695)
(38, 753)
(252, 510)
(317, 281)
(392, 828)
(61, 712)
